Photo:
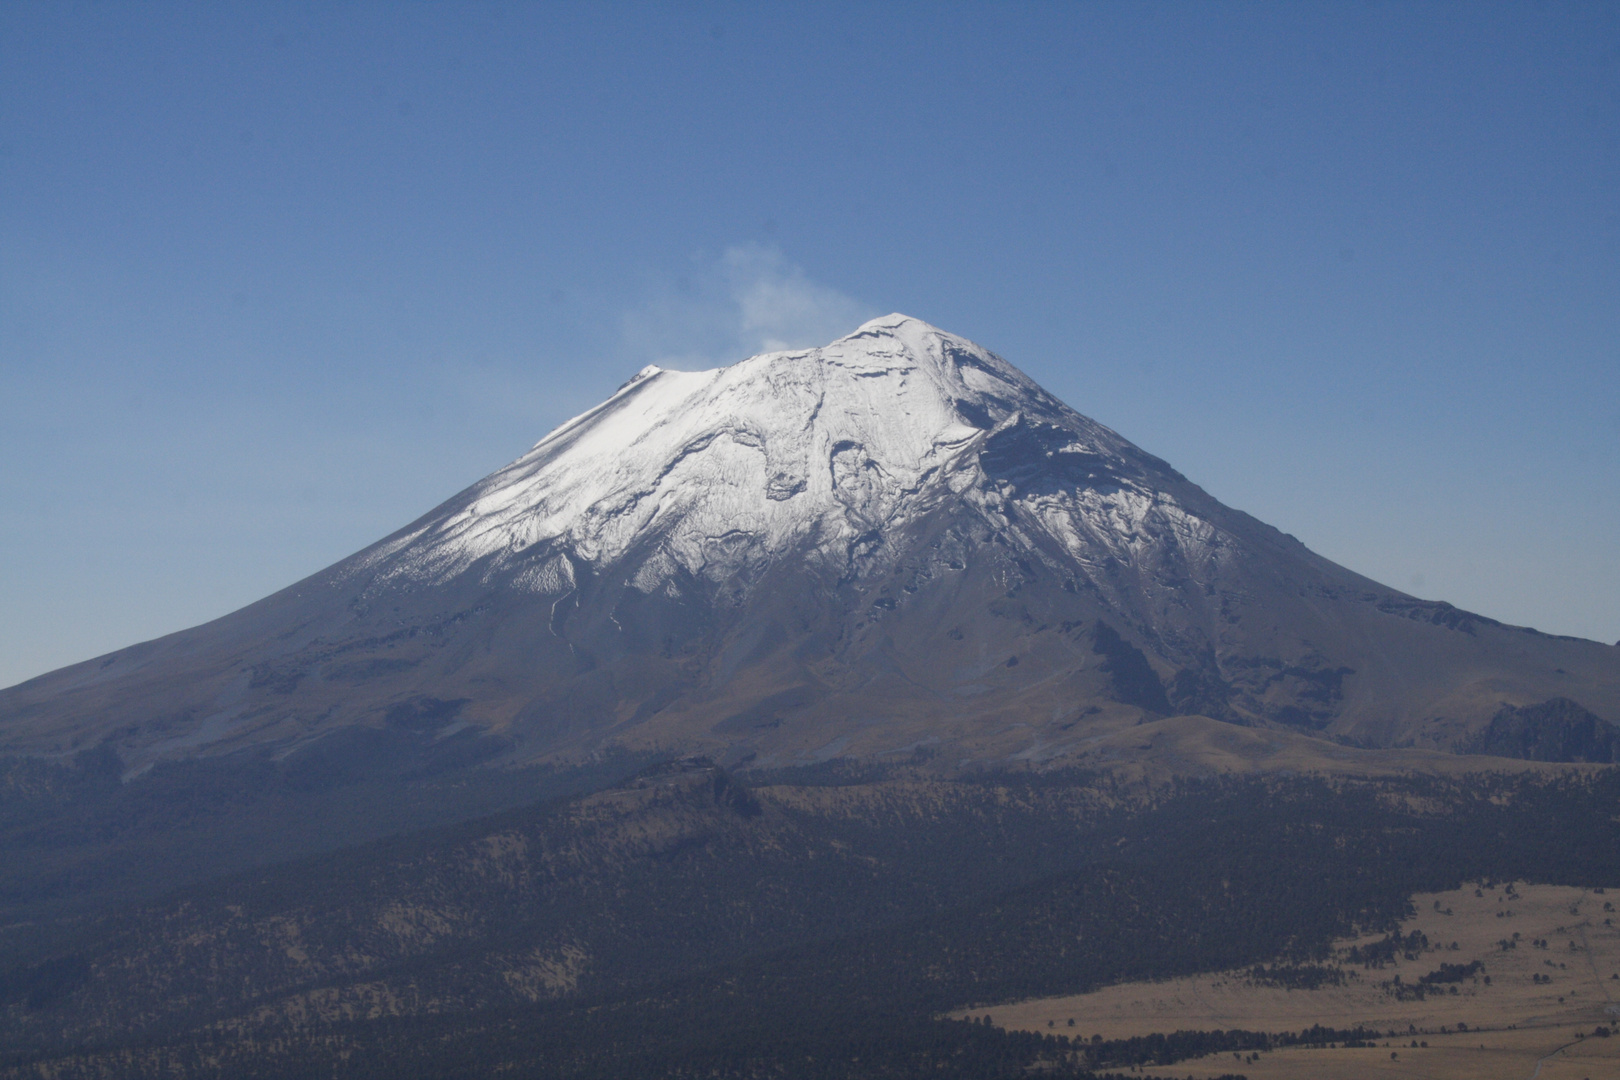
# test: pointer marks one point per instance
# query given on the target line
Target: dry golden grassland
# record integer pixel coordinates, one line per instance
(1531, 1010)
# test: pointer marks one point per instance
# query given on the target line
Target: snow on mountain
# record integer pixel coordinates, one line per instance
(894, 541)
(801, 451)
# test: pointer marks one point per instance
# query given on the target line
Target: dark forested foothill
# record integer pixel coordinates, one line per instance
(74, 837)
(692, 922)
(1555, 730)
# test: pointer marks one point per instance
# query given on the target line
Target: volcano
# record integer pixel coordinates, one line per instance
(896, 546)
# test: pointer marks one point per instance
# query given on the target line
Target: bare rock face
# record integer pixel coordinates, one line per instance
(897, 544)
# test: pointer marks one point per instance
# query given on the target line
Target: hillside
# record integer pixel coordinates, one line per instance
(776, 720)
(682, 921)
(897, 541)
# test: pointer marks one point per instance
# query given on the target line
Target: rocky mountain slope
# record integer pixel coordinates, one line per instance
(894, 546)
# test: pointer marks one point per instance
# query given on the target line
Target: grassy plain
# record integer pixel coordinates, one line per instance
(1549, 959)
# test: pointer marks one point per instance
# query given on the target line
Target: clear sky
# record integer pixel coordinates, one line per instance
(275, 278)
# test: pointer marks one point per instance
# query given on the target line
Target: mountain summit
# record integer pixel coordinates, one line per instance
(815, 455)
(894, 544)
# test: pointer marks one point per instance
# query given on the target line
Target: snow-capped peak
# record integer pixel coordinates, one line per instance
(706, 469)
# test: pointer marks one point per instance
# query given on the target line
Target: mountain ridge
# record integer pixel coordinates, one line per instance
(895, 544)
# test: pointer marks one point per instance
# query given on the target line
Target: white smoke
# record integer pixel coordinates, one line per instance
(749, 300)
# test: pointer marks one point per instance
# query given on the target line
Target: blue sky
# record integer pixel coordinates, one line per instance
(276, 278)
